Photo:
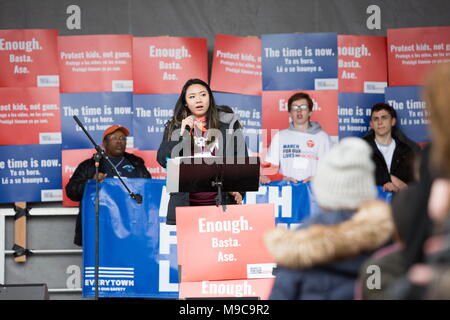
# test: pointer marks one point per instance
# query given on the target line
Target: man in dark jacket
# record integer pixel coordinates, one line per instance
(393, 153)
(127, 164)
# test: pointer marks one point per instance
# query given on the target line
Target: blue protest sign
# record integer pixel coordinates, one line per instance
(30, 173)
(411, 112)
(354, 113)
(305, 61)
(97, 111)
(293, 201)
(133, 262)
(151, 112)
(248, 108)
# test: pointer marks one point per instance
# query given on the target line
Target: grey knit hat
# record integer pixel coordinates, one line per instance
(345, 176)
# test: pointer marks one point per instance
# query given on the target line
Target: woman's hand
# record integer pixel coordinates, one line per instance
(189, 121)
(237, 197)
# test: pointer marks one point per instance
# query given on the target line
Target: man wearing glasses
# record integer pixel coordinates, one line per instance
(295, 151)
(127, 164)
(393, 152)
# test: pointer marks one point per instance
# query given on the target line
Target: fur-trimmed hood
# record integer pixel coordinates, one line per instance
(369, 228)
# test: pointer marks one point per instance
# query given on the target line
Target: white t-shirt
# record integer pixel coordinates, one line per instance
(387, 150)
(297, 153)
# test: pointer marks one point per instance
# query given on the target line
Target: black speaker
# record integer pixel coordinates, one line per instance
(37, 291)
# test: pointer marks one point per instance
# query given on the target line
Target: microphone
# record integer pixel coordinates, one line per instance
(187, 127)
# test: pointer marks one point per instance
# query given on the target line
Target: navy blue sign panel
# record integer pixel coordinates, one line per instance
(305, 61)
(151, 112)
(30, 173)
(293, 202)
(133, 262)
(248, 108)
(411, 112)
(354, 113)
(97, 111)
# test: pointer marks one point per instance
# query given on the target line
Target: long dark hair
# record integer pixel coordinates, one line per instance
(182, 111)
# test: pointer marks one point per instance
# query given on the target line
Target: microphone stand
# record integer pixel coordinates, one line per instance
(137, 197)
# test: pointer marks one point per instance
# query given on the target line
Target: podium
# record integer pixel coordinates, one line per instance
(213, 174)
(200, 174)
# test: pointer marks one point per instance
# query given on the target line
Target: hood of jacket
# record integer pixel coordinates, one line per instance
(314, 127)
(369, 228)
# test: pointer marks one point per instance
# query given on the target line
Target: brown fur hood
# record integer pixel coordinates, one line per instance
(369, 228)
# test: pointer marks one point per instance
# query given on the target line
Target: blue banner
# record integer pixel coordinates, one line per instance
(138, 251)
(30, 173)
(132, 261)
(97, 111)
(151, 112)
(249, 111)
(411, 112)
(354, 113)
(305, 61)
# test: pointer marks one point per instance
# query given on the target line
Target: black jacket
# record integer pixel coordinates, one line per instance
(181, 199)
(402, 165)
(86, 171)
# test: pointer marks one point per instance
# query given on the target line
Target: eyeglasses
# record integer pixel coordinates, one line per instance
(382, 118)
(114, 138)
(302, 107)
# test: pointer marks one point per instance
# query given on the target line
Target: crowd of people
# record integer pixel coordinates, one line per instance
(365, 248)
(357, 247)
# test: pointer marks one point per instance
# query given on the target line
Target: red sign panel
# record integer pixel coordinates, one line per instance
(95, 63)
(413, 51)
(236, 65)
(28, 58)
(70, 160)
(164, 64)
(151, 164)
(218, 245)
(259, 288)
(362, 64)
(29, 116)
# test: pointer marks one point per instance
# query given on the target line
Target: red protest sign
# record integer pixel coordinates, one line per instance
(413, 51)
(28, 58)
(151, 164)
(218, 245)
(164, 64)
(236, 65)
(362, 64)
(95, 63)
(70, 160)
(29, 116)
(259, 288)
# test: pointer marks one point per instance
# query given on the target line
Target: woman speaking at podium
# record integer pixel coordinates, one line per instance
(207, 130)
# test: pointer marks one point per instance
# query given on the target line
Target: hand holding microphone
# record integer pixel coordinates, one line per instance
(187, 123)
